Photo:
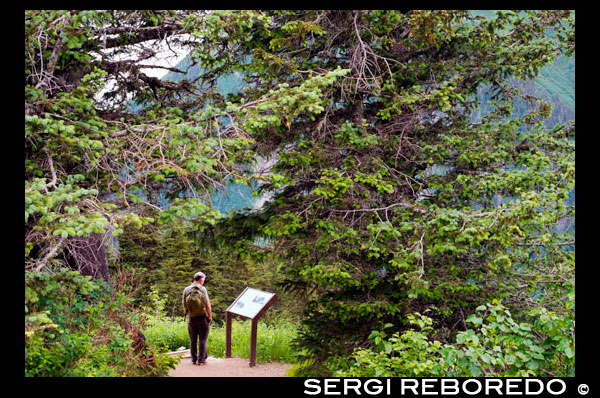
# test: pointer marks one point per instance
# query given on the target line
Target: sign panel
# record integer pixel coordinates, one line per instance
(250, 302)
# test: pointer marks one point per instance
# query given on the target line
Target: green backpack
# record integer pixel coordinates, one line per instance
(195, 302)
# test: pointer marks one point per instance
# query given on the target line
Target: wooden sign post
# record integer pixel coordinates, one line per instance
(251, 304)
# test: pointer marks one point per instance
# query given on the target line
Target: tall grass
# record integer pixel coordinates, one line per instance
(167, 334)
(273, 341)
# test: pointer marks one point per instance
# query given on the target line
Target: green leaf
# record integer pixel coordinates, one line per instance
(569, 352)
(475, 320)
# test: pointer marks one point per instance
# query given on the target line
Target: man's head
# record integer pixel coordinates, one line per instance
(199, 277)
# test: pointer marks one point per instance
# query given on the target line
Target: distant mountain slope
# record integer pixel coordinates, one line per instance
(555, 84)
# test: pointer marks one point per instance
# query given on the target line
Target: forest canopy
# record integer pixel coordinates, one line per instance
(389, 204)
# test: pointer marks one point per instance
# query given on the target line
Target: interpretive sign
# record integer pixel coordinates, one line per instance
(251, 304)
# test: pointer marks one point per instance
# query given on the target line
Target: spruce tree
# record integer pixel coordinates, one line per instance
(387, 197)
(175, 267)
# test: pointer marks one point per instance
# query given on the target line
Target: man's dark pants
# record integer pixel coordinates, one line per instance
(198, 328)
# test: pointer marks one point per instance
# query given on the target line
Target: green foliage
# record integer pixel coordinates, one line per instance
(92, 164)
(398, 186)
(165, 259)
(392, 198)
(282, 104)
(76, 327)
(355, 136)
(192, 208)
(410, 354)
(175, 266)
(497, 346)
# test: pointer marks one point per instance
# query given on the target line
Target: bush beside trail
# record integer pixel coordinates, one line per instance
(78, 327)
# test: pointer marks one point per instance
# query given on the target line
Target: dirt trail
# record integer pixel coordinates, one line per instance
(228, 367)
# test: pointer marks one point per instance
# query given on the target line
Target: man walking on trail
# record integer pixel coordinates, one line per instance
(197, 306)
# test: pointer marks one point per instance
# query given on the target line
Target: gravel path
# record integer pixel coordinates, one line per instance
(229, 367)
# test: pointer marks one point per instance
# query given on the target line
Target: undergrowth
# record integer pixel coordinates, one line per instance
(170, 334)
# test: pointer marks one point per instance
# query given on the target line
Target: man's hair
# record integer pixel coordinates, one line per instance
(199, 276)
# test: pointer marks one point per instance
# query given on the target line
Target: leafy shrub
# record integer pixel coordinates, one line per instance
(77, 327)
(410, 354)
(499, 346)
(496, 346)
